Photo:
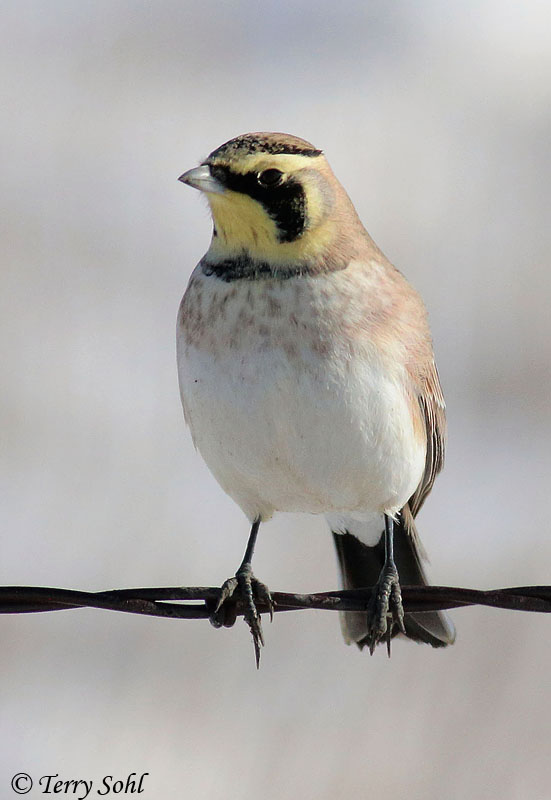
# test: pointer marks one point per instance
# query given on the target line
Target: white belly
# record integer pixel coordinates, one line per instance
(289, 428)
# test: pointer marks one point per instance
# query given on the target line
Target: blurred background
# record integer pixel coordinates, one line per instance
(437, 119)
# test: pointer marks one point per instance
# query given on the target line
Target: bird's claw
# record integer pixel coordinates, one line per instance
(225, 612)
(385, 601)
(246, 589)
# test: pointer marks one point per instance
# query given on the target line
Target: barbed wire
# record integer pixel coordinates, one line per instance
(199, 602)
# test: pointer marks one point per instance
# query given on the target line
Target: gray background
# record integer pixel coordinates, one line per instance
(437, 119)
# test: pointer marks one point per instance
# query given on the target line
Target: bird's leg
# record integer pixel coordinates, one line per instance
(248, 590)
(386, 599)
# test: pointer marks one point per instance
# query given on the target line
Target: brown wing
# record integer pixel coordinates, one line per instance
(433, 411)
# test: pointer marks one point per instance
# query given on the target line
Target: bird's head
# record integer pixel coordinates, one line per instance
(273, 197)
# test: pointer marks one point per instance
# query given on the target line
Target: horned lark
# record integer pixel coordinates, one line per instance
(308, 378)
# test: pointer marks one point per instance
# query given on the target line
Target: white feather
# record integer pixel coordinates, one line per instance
(295, 429)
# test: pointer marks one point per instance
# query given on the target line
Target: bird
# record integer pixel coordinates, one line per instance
(308, 379)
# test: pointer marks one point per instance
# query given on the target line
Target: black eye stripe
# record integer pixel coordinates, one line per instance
(285, 201)
(219, 173)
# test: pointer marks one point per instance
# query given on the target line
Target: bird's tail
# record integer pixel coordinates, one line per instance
(360, 566)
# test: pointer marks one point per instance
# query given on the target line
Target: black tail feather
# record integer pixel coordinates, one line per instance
(360, 567)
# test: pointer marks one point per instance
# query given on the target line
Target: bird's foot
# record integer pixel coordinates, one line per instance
(245, 589)
(385, 602)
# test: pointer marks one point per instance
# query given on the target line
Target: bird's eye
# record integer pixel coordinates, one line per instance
(269, 177)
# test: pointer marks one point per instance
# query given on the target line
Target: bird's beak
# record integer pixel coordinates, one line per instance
(201, 178)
